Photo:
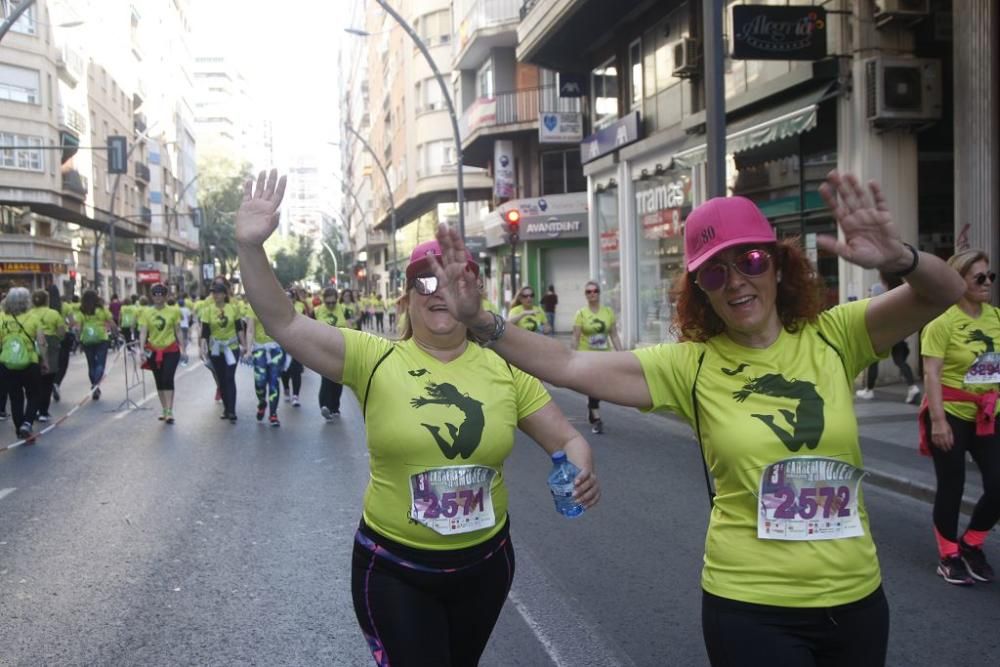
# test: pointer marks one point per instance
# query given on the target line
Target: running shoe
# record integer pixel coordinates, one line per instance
(261, 408)
(913, 395)
(44, 417)
(169, 418)
(325, 411)
(598, 427)
(232, 419)
(274, 421)
(288, 397)
(96, 394)
(25, 431)
(866, 394)
(55, 393)
(975, 562)
(953, 570)
(295, 402)
(163, 416)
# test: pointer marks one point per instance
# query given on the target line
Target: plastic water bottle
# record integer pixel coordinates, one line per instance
(561, 484)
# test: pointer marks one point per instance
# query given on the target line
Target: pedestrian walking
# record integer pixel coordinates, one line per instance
(331, 312)
(959, 416)
(220, 344)
(159, 341)
(182, 303)
(379, 314)
(428, 582)
(549, 302)
(595, 330)
(95, 323)
(53, 328)
(128, 318)
(268, 362)
(900, 352)
(765, 378)
(291, 376)
(524, 313)
(22, 360)
(61, 306)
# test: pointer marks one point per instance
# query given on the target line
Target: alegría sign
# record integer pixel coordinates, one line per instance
(778, 33)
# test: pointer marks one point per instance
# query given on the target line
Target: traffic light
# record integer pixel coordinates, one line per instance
(117, 154)
(512, 224)
(72, 275)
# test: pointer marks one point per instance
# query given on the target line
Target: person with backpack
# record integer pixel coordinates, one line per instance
(53, 328)
(22, 359)
(94, 322)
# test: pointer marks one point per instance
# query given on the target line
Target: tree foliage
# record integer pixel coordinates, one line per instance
(220, 192)
(292, 261)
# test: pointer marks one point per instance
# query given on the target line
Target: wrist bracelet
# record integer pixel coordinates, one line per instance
(499, 326)
(913, 265)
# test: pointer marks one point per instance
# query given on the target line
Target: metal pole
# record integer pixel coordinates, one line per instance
(333, 256)
(14, 16)
(114, 221)
(392, 204)
(460, 192)
(715, 98)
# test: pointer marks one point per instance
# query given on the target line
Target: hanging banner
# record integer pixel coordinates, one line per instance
(503, 169)
(763, 32)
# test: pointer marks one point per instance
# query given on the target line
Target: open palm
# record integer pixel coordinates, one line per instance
(458, 285)
(257, 217)
(870, 239)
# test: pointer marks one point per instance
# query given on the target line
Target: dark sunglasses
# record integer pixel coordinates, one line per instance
(981, 278)
(330, 303)
(425, 285)
(592, 291)
(529, 294)
(752, 263)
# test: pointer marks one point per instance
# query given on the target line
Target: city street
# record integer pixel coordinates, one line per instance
(124, 541)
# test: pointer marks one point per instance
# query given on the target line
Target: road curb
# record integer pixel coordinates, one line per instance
(908, 487)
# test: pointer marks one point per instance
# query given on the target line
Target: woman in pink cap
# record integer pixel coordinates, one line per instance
(764, 376)
(433, 560)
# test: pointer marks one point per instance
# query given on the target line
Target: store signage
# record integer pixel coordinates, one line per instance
(620, 133)
(662, 203)
(503, 168)
(572, 85)
(31, 267)
(560, 127)
(555, 227)
(147, 276)
(778, 33)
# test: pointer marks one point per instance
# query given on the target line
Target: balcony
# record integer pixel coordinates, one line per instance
(27, 248)
(72, 119)
(70, 65)
(489, 24)
(142, 172)
(553, 33)
(139, 122)
(146, 214)
(76, 183)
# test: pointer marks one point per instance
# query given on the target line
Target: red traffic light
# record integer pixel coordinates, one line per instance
(512, 220)
(512, 216)
(72, 274)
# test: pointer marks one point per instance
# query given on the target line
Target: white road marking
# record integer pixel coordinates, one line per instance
(6, 492)
(538, 630)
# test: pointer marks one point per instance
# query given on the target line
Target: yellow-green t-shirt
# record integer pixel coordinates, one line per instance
(49, 319)
(93, 327)
(160, 324)
(222, 321)
(959, 340)
(129, 316)
(70, 311)
(260, 336)
(531, 322)
(595, 328)
(27, 332)
(489, 306)
(332, 316)
(757, 407)
(423, 414)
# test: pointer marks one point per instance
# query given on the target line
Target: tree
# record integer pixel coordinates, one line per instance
(220, 192)
(291, 261)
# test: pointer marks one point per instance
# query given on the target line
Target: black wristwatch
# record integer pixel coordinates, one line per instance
(913, 265)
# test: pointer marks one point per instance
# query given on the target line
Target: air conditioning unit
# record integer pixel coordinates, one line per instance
(902, 92)
(686, 58)
(910, 11)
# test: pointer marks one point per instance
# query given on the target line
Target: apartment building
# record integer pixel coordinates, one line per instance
(898, 94)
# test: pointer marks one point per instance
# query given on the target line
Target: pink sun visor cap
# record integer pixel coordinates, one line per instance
(422, 254)
(721, 223)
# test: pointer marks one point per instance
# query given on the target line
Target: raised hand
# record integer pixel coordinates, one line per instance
(456, 284)
(870, 239)
(258, 215)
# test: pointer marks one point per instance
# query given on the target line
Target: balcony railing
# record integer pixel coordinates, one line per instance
(24, 247)
(526, 7)
(142, 172)
(488, 14)
(146, 214)
(520, 106)
(139, 121)
(75, 182)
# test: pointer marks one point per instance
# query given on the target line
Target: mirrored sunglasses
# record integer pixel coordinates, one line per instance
(752, 263)
(425, 285)
(981, 278)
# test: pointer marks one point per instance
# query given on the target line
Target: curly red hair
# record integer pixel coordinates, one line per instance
(799, 296)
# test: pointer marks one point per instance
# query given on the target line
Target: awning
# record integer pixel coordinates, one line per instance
(786, 120)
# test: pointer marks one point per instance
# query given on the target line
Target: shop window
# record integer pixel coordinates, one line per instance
(606, 205)
(604, 93)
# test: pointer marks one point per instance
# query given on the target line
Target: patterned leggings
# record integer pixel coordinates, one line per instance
(268, 363)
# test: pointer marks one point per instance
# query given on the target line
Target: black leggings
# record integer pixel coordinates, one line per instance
(741, 633)
(592, 404)
(163, 374)
(225, 375)
(413, 612)
(22, 387)
(65, 347)
(293, 374)
(900, 351)
(329, 394)
(949, 467)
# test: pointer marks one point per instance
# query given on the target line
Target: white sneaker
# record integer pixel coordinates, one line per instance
(295, 402)
(866, 394)
(325, 411)
(912, 394)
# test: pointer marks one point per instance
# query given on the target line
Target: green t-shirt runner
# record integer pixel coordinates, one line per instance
(129, 316)
(93, 327)
(333, 316)
(428, 423)
(260, 336)
(161, 325)
(595, 328)
(49, 319)
(962, 343)
(757, 409)
(532, 322)
(22, 330)
(222, 322)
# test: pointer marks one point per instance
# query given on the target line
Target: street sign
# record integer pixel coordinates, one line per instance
(779, 33)
(117, 154)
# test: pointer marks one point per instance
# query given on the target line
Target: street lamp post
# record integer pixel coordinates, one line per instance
(170, 254)
(460, 191)
(14, 16)
(392, 205)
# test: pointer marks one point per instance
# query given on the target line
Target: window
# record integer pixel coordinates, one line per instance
(435, 28)
(434, 156)
(18, 84)
(484, 80)
(562, 172)
(26, 159)
(26, 23)
(635, 74)
(429, 95)
(604, 93)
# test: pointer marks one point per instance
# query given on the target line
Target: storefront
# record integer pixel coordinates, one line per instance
(33, 275)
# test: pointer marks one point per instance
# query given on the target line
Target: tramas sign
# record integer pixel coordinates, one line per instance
(778, 33)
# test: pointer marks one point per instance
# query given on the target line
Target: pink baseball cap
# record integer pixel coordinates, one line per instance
(721, 223)
(420, 259)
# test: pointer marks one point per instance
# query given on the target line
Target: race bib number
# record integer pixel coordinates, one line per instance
(984, 370)
(453, 500)
(809, 498)
(597, 341)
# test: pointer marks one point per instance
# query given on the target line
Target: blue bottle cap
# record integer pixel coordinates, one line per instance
(559, 456)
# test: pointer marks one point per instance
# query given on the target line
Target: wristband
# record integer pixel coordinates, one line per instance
(499, 326)
(913, 265)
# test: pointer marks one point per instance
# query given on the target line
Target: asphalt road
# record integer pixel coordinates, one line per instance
(127, 542)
